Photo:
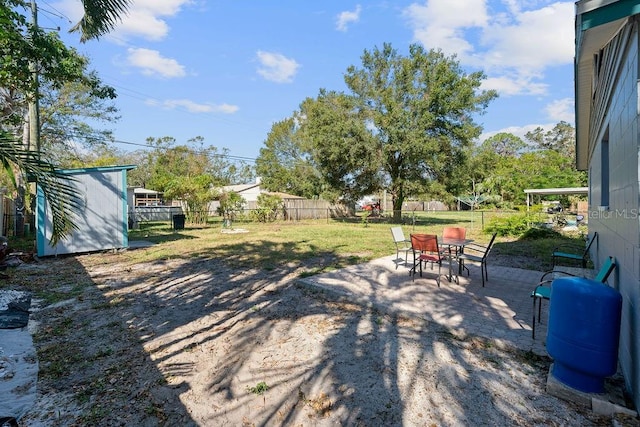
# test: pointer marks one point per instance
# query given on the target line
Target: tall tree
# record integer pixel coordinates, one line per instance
(499, 155)
(562, 138)
(505, 144)
(69, 115)
(402, 129)
(25, 49)
(504, 165)
(284, 163)
(21, 45)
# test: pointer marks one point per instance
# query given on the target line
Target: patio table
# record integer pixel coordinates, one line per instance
(459, 244)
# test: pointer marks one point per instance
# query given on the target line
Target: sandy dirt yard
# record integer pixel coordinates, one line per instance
(197, 342)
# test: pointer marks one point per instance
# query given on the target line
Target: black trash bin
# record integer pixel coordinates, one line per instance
(178, 222)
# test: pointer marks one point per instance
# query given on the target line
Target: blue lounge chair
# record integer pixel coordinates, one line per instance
(571, 252)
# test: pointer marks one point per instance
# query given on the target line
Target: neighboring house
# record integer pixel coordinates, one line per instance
(250, 193)
(607, 145)
(295, 207)
(137, 196)
(102, 223)
(149, 205)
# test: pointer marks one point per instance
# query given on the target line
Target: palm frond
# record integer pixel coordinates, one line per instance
(62, 197)
(100, 17)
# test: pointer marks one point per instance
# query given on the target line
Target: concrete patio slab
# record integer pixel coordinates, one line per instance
(501, 311)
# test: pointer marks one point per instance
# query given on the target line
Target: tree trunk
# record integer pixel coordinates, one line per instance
(397, 209)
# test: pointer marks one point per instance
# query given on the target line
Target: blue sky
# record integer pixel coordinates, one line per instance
(227, 70)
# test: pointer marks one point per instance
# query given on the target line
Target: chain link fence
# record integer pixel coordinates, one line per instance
(477, 219)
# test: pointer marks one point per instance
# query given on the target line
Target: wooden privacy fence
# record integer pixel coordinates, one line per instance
(297, 209)
(424, 206)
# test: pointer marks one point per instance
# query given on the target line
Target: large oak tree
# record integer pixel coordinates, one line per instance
(402, 128)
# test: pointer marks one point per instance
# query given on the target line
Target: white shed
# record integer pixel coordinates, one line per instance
(103, 221)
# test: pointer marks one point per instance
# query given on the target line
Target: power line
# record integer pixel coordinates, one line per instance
(55, 12)
(137, 144)
(227, 156)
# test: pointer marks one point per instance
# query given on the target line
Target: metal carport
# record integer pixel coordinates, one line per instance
(555, 191)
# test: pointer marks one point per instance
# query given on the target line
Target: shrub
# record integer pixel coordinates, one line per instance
(534, 233)
(231, 205)
(513, 225)
(268, 207)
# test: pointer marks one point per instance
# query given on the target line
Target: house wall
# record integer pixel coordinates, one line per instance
(615, 118)
(251, 194)
(102, 223)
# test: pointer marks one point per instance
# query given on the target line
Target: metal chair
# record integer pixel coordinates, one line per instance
(543, 290)
(477, 253)
(426, 249)
(402, 244)
(457, 233)
(572, 252)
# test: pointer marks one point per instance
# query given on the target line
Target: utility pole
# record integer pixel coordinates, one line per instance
(34, 103)
(31, 136)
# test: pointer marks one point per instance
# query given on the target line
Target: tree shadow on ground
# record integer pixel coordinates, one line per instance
(204, 330)
(92, 368)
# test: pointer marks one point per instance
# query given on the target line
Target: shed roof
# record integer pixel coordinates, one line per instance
(140, 190)
(239, 188)
(96, 169)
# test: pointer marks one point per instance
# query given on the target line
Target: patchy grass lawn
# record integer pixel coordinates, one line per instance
(341, 242)
(335, 244)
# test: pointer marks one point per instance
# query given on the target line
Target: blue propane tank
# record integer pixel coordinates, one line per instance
(583, 332)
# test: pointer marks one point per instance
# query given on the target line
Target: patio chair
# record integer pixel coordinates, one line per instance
(572, 252)
(477, 253)
(402, 244)
(543, 290)
(459, 233)
(426, 249)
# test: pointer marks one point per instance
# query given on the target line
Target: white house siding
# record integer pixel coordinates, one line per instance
(615, 111)
(102, 223)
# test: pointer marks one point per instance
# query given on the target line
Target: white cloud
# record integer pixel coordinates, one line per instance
(516, 85)
(519, 131)
(193, 107)
(562, 110)
(150, 62)
(442, 23)
(276, 67)
(513, 46)
(143, 24)
(146, 19)
(535, 40)
(345, 18)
